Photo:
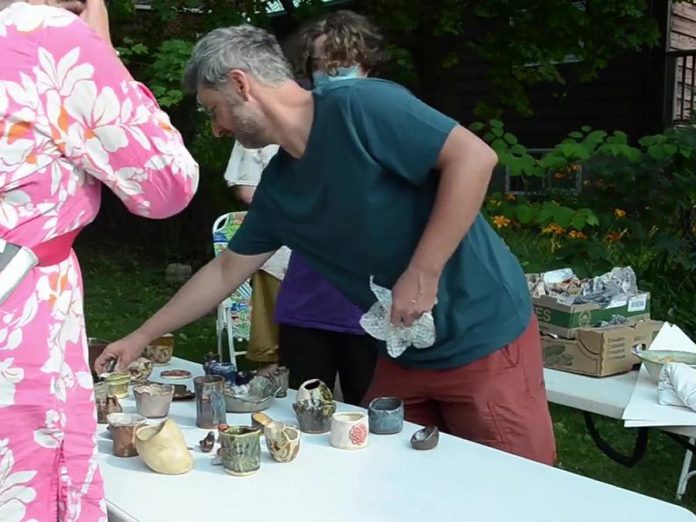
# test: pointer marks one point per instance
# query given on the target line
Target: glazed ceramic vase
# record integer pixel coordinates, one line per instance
(123, 427)
(241, 450)
(153, 400)
(314, 406)
(105, 403)
(282, 441)
(349, 431)
(314, 389)
(386, 415)
(210, 401)
(118, 384)
(163, 448)
(161, 350)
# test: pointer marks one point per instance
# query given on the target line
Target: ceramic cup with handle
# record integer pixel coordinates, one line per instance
(349, 430)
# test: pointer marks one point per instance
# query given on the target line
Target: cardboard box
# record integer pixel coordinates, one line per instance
(564, 320)
(599, 351)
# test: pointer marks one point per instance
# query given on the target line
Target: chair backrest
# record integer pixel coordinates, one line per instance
(224, 228)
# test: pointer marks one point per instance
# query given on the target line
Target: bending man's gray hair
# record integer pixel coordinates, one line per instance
(244, 47)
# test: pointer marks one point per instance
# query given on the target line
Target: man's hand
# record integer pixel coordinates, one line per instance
(414, 294)
(125, 351)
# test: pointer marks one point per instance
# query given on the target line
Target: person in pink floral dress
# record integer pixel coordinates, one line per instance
(71, 120)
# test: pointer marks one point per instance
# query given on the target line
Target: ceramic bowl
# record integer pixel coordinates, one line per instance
(386, 415)
(255, 396)
(654, 360)
(426, 438)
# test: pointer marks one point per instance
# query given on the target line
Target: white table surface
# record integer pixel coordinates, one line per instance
(388, 481)
(607, 396)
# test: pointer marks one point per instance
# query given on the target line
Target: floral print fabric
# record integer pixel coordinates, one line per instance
(71, 120)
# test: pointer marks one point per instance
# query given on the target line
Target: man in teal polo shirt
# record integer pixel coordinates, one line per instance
(370, 181)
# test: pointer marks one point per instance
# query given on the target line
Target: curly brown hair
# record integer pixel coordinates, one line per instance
(350, 39)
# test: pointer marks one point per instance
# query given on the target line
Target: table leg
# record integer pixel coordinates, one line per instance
(685, 474)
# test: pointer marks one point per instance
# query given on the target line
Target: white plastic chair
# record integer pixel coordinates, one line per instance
(234, 313)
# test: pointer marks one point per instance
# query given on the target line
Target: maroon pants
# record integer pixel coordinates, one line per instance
(499, 400)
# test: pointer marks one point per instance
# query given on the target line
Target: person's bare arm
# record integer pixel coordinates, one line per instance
(203, 292)
(465, 164)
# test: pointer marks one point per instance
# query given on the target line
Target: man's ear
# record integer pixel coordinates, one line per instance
(239, 83)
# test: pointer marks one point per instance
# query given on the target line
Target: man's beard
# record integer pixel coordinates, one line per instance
(248, 130)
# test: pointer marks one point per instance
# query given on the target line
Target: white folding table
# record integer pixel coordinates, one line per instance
(388, 481)
(608, 396)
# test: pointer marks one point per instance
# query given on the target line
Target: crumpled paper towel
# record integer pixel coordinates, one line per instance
(376, 322)
(677, 386)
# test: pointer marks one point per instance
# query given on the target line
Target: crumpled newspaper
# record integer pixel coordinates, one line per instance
(567, 288)
(376, 322)
(677, 386)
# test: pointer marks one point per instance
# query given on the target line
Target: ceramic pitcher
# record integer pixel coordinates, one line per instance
(210, 401)
(241, 450)
(282, 441)
(163, 448)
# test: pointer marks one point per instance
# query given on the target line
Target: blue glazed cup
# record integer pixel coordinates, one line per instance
(386, 415)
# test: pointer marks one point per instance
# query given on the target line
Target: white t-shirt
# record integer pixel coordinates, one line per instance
(245, 168)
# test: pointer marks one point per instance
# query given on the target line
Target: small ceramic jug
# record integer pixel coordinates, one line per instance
(210, 401)
(282, 441)
(105, 403)
(241, 450)
(153, 400)
(123, 427)
(349, 430)
(118, 384)
(163, 448)
(386, 415)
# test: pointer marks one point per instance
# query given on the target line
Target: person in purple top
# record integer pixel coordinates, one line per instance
(319, 334)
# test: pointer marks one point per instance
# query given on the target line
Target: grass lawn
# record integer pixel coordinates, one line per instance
(122, 289)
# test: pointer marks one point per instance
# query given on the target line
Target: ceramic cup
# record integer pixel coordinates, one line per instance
(282, 377)
(386, 415)
(241, 450)
(153, 400)
(349, 430)
(123, 427)
(161, 350)
(282, 441)
(210, 401)
(118, 384)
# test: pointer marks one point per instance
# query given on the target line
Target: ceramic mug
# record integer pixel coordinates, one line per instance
(241, 450)
(349, 430)
(123, 427)
(386, 415)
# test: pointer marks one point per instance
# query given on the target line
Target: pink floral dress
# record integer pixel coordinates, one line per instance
(71, 120)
